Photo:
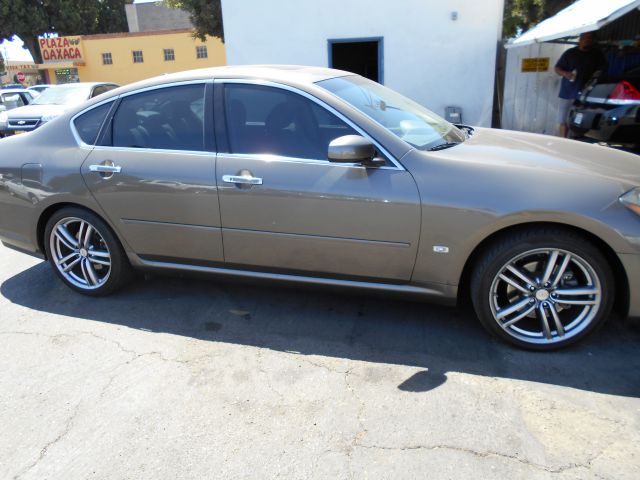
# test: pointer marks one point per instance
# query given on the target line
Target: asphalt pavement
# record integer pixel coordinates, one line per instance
(177, 378)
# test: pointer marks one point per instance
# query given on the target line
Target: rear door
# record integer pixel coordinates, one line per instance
(291, 209)
(153, 173)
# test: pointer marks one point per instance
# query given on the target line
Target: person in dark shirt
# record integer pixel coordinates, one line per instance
(576, 66)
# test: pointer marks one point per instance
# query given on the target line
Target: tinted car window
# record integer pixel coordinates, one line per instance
(88, 124)
(167, 118)
(268, 120)
(101, 89)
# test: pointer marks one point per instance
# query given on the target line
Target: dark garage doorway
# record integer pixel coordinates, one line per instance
(359, 55)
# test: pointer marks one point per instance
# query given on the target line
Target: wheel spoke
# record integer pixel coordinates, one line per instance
(576, 302)
(519, 317)
(99, 253)
(87, 236)
(99, 262)
(80, 233)
(92, 273)
(67, 258)
(579, 291)
(512, 309)
(556, 320)
(514, 284)
(85, 273)
(520, 275)
(66, 238)
(562, 269)
(551, 263)
(72, 264)
(545, 321)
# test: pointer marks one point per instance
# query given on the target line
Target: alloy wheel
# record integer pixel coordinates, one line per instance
(80, 253)
(545, 296)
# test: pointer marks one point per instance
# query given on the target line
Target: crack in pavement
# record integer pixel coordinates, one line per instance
(485, 454)
(45, 449)
(114, 342)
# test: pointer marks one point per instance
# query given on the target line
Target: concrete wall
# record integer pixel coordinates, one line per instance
(150, 17)
(428, 56)
(530, 99)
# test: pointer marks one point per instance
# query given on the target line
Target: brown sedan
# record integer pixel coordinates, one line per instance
(319, 176)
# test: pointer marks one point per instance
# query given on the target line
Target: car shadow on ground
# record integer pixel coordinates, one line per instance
(370, 328)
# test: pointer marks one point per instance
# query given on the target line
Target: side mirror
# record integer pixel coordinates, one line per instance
(2, 108)
(353, 149)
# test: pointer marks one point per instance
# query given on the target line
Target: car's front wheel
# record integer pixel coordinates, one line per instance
(85, 253)
(542, 289)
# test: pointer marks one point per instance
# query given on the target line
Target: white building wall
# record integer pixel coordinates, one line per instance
(531, 99)
(428, 56)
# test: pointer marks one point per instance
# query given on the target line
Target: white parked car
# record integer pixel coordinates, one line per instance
(52, 103)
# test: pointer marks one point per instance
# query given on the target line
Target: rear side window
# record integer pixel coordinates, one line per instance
(88, 124)
(170, 118)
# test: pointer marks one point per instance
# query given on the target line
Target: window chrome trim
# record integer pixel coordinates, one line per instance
(341, 116)
(268, 157)
(154, 150)
(127, 94)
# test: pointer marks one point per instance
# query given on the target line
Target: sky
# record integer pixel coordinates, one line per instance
(13, 51)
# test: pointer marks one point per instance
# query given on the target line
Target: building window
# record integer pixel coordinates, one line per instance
(169, 55)
(137, 56)
(107, 59)
(201, 51)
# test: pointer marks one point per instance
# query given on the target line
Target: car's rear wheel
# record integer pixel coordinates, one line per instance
(85, 253)
(542, 289)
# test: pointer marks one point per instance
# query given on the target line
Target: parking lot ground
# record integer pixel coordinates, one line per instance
(182, 378)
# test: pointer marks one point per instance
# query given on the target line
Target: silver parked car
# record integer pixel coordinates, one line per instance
(318, 176)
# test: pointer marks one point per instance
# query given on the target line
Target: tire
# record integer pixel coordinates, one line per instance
(528, 310)
(96, 265)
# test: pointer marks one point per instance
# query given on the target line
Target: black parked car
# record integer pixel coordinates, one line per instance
(609, 109)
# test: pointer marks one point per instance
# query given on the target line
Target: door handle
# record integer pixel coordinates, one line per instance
(105, 168)
(242, 179)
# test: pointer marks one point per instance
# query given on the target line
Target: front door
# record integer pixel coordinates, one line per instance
(154, 177)
(291, 210)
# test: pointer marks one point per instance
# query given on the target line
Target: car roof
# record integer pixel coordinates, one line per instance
(14, 90)
(81, 84)
(294, 74)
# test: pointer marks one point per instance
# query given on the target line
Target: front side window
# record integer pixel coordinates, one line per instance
(407, 119)
(169, 55)
(169, 118)
(273, 121)
(137, 56)
(107, 59)
(88, 124)
(201, 51)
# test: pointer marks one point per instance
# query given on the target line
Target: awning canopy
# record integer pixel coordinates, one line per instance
(582, 16)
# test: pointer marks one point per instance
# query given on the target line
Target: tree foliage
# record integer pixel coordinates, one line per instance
(206, 16)
(521, 15)
(30, 18)
(1, 63)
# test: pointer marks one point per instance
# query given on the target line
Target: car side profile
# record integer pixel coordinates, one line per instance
(318, 176)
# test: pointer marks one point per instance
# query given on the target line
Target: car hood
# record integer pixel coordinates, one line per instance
(37, 111)
(545, 155)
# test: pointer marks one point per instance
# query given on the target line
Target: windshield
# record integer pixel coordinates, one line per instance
(407, 119)
(67, 95)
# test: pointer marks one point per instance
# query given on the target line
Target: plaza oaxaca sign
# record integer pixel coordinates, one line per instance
(61, 49)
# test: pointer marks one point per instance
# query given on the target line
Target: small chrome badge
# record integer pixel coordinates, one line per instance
(440, 249)
(21, 122)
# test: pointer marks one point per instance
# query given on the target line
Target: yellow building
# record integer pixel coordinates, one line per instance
(126, 57)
